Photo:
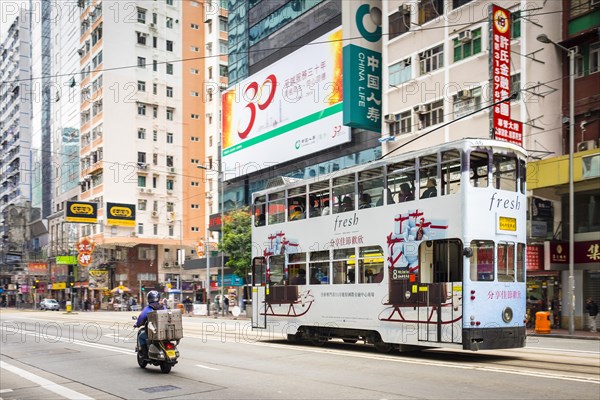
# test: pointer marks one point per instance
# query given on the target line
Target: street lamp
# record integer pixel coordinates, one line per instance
(571, 52)
(220, 184)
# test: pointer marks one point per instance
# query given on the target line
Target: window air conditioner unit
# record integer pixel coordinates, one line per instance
(142, 165)
(465, 36)
(152, 25)
(586, 145)
(142, 190)
(154, 214)
(80, 52)
(148, 190)
(421, 109)
(389, 118)
(133, 234)
(404, 9)
(464, 94)
(172, 170)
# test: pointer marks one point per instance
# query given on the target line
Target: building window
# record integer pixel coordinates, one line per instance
(195, 49)
(432, 59)
(169, 91)
(467, 44)
(402, 124)
(141, 15)
(579, 7)
(169, 161)
(154, 42)
(466, 101)
(515, 30)
(141, 133)
(170, 184)
(141, 38)
(223, 24)
(141, 62)
(169, 137)
(140, 228)
(142, 205)
(169, 69)
(154, 88)
(194, 94)
(430, 10)
(169, 45)
(515, 86)
(154, 18)
(171, 230)
(195, 139)
(223, 71)
(154, 111)
(155, 136)
(194, 26)
(155, 229)
(141, 181)
(141, 157)
(459, 3)
(430, 114)
(223, 47)
(195, 116)
(141, 109)
(400, 72)
(579, 66)
(195, 229)
(594, 57)
(154, 182)
(141, 86)
(169, 22)
(195, 183)
(169, 2)
(194, 71)
(170, 113)
(154, 159)
(400, 21)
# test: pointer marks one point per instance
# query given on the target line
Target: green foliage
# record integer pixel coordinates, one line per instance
(237, 241)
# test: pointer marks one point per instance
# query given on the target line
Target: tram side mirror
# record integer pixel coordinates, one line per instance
(468, 252)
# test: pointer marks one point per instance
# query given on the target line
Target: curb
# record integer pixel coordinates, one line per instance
(563, 336)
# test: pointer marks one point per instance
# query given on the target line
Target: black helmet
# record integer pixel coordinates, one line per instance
(153, 296)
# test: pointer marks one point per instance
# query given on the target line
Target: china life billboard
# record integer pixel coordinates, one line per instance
(361, 21)
(290, 109)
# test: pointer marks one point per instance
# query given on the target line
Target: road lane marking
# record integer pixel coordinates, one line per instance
(45, 383)
(205, 367)
(5, 391)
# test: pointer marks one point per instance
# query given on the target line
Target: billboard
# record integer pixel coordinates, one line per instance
(290, 109)
(120, 214)
(503, 127)
(82, 212)
(361, 20)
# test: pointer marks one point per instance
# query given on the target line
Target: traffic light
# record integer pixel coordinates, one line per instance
(143, 288)
(36, 284)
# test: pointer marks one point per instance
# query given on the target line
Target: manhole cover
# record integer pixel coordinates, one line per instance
(156, 389)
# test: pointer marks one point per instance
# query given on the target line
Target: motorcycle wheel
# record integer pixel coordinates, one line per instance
(165, 367)
(140, 359)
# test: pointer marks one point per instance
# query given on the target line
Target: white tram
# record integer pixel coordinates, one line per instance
(423, 249)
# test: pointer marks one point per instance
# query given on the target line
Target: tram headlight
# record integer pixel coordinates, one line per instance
(507, 314)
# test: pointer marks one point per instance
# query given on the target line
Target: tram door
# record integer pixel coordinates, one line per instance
(440, 280)
(259, 281)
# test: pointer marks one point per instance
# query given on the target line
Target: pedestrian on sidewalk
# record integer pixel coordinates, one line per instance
(592, 310)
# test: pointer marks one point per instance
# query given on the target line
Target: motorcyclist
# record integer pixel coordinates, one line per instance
(153, 304)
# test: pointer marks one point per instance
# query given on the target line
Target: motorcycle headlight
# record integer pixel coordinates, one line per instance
(507, 314)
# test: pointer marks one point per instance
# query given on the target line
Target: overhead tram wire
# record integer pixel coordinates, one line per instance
(484, 19)
(446, 124)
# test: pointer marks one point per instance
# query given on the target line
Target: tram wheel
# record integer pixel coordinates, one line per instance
(383, 347)
(352, 341)
(293, 338)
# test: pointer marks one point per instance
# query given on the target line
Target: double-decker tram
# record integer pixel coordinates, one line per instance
(422, 249)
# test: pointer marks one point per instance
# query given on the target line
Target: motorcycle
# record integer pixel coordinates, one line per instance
(161, 353)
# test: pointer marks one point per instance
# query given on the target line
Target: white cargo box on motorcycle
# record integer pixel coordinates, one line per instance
(165, 325)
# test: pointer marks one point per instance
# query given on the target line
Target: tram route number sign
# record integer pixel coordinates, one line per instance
(507, 224)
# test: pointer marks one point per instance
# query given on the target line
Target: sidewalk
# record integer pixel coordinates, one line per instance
(564, 333)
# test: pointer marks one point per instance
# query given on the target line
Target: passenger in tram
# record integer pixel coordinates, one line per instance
(406, 194)
(297, 214)
(313, 278)
(326, 209)
(314, 210)
(431, 190)
(365, 201)
(300, 278)
(390, 198)
(346, 205)
(350, 277)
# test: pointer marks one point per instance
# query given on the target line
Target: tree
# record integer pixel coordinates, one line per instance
(237, 241)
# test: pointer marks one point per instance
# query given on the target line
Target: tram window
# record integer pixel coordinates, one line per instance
(276, 272)
(319, 267)
(258, 271)
(428, 176)
(521, 249)
(506, 262)
(276, 208)
(482, 261)
(370, 264)
(370, 188)
(344, 261)
(260, 211)
(318, 199)
(479, 169)
(451, 172)
(343, 194)
(522, 176)
(401, 180)
(440, 261)
(504, 172)
(296, 204)
(297, 268)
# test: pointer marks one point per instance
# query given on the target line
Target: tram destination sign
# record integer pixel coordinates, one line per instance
(507, 224)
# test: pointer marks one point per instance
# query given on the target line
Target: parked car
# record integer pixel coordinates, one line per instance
(49, 304)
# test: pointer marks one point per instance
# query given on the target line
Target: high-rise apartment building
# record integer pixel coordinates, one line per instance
(142, 133)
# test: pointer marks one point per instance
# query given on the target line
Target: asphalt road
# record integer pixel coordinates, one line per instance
(90, 355)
